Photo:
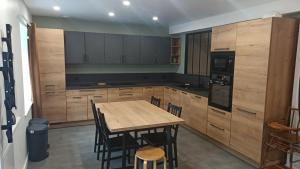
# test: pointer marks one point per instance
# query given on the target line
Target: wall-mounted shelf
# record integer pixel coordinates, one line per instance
(175, 50)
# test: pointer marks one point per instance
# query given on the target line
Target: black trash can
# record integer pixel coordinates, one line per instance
(39, 121)
(37, 142)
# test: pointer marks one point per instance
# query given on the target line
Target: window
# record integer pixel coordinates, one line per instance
(27, 90)
(197, 59)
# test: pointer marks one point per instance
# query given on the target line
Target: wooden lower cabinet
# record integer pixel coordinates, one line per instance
(54, 107)
(148, 92)
(76, 108)
(246, 133)
(219, 125)
(125, 94)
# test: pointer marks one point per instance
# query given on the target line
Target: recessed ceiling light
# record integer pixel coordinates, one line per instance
(111, 14)
(56, 8)
(126, 3)
(155, 18)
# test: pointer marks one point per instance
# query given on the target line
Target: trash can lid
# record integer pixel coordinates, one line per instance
(37, 129)
(39, 121)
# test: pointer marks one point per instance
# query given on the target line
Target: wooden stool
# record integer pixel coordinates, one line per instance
(150, 154)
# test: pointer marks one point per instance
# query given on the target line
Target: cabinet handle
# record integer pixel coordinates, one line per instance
(98, 96)
(87, 90)
(199, 97)
(184, 93)
(221, 49)
(217, 127)
(76, 97)
(126, 94)
(50, 92)
(125, 88)
(218, 111)
(50, 85)
(174, 90)
(246, 111)
(148, 87)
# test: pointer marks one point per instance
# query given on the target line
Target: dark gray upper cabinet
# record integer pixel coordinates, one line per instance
(148, 50)
(113, 49)
(131, 49)
(75, 47)
(94, 48)
(163, 50)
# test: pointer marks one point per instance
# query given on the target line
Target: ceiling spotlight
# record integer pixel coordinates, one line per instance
(111, 14)
(56, 8)
(155, 18)
(126, 3)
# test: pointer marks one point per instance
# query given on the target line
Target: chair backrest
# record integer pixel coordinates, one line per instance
(103, 127)
(96, 117)
(176, 111)
(155, 101)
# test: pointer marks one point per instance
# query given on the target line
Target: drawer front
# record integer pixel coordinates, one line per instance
(219, 118)
(148, 92)
(86, 92)
(246, 133)
(96, 99)
(218, 133)
(158, 90)
(124, 94)
(54, 107)
(52, 82)
(76, 108)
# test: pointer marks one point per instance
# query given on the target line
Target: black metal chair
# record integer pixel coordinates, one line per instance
(97, 134)
(113, 144)
(155, 101)
(160, 138)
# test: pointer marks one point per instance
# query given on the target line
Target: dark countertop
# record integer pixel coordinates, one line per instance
(198, 91)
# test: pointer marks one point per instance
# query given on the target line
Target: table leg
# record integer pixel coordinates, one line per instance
(170, 148)
(124, 151)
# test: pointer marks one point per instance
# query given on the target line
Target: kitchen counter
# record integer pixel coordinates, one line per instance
(198, 91)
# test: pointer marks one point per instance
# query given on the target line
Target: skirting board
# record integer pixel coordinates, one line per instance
(26, 162)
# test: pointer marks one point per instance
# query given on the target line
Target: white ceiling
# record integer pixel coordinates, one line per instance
(170, 12)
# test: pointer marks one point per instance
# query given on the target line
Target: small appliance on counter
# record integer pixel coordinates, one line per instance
(221, 80)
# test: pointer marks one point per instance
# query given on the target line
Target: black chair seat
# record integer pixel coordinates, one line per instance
(156, 139)
(116, 142)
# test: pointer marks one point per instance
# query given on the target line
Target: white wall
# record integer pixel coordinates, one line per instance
(14, 156)
(281, 6)
(297, 76)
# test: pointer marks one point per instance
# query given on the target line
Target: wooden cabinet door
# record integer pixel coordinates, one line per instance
(94, 48)
(196, 54)
(167, 97)
(100, 98)
(75, 47)
(113, 49)
(76, 108)
(223, 38)
(51, 82)
(204, 54)
(54, 107)
(163, 48)
(249, 88)
(50, 50)
(148, 92)
(131, 51)
(148, 52)
(198, 109)
(190, 41)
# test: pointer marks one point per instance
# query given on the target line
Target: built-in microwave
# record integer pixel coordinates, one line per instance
(222, 62)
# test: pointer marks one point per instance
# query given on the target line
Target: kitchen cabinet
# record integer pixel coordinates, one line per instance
(113, 49)
(261, 91)
(196, 54)
(148, 51)
(163, 50)
(76, 108)
(94, 48)
(125, 94)
(75, 47)
(194, 111)
(155, 91)
(223, 38)
(131, 51)
(50, 77)
(219, 125)
(97, 98)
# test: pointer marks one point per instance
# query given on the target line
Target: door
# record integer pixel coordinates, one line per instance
(148, 51)
(223, 38)
(131, 51)
(163, 50)
(75, 47)
(113, 49)
(54, 106)
(94, 48)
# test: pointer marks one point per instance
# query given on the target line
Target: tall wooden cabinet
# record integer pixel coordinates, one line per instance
(51, 61)
(263, 78)
(223, 38)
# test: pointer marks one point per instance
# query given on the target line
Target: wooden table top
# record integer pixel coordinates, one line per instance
(135, 115)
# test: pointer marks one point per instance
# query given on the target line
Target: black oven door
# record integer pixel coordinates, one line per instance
(220, 96)
(222, 62)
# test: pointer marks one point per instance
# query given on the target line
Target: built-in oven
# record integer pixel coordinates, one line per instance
(221, 80)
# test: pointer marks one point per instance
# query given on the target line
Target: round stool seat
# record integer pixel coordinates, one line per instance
(150, 153)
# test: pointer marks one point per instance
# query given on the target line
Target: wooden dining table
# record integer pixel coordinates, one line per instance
(138, 115)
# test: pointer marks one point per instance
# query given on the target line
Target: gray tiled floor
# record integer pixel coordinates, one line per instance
(72, 148)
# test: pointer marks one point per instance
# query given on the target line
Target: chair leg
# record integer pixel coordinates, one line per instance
(165, 163)
(103, 156)
(128, 156)
(291, 157)
(135, 162)
(175, 154)
(108, 158)
(96, 141)
(98, 151)
(154, 165)
(145, 165)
